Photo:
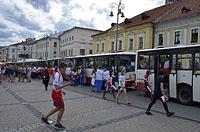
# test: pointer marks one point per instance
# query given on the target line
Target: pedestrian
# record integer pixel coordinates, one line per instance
(99, 79)
(23, 73)
(93, 80)
(45, 78)
(74, 77)
(57, 92)
(109, 86)
(20, 70)
(159, 93)
(147, 84)
(28, 73)
(122, 88)
(82, 77)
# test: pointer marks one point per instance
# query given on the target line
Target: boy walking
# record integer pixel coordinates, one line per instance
(57, 92)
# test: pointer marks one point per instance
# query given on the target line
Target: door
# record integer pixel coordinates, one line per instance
(172, 78)
(196, 78)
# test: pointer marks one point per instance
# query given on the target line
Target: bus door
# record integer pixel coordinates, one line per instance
(152, 68)
(173, 77)
(164, 63)
(184, 77)
(196, 78)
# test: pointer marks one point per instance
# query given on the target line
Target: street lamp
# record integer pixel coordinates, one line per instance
(24, 56)
(119, 7)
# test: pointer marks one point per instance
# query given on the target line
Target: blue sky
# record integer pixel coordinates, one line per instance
(21, 19)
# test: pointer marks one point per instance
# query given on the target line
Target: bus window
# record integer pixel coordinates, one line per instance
(143, 62)
(184, 61)
(152, 62)
(197, 63)
(89, 63)
(127, 63)
(173, 66)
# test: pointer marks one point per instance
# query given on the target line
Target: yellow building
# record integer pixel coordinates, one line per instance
(180, 26)
(134, 34)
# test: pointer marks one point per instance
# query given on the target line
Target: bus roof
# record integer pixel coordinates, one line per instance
(105, 54)
(170, 48)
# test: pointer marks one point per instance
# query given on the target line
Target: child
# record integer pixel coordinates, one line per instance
(147, 84)
(57, 97)
(109, 87)
(122, 88)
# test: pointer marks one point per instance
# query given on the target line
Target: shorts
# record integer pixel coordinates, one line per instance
(122, 89)
(58, 103)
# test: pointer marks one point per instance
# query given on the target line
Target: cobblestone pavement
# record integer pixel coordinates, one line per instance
(22, 105)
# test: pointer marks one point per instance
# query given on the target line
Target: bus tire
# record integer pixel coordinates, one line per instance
(185, 94)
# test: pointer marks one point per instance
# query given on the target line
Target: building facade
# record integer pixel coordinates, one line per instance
(3, 54)
(133, 34)
(46, 47)
(76, 41)
(179, 27)
(20, 51)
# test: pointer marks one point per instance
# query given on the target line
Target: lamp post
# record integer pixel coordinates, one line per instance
(119, 7)
(24, 56)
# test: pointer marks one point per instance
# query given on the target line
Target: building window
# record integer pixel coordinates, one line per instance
(97, 47)
(69, 38)
(160, 39)
(71, 52)
(102, 47)
(72, 37)
(90, 52)
(194, 35)
(141, 43)
(55, 44)
(131, 43)
(112, 46)
(82, 51)
(120, 44)
(177, 37)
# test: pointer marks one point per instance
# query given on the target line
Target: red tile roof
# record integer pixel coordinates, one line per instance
(191, 7)
(145, 17)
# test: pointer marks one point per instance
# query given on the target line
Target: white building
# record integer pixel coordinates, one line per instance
(12, 53)
(46, 47)
(76, 41)
(3, 54)
(20, 51)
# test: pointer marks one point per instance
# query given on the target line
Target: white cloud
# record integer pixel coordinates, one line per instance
(70, 13)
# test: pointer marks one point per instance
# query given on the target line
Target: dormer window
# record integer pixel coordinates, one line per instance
(185, 10)
(144, 16)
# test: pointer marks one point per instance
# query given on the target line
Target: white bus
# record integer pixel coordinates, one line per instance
(181, 66)
(116, 61)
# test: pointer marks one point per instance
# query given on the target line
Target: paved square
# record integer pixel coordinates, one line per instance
(22, 105)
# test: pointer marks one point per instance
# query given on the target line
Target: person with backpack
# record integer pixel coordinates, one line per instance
(57, 98)
(45, 78)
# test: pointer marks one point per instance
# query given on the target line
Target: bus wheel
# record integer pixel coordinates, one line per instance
(185, 95)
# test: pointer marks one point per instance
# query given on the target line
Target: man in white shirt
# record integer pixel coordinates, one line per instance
(99, 79)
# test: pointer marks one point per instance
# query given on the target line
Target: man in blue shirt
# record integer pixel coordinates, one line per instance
(159, 94)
